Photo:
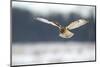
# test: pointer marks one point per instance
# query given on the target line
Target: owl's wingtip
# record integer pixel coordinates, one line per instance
(85, 20)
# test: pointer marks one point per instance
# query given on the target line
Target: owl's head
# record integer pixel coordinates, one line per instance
(62, 30)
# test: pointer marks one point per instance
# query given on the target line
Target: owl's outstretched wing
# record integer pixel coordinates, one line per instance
(77, 24)
(49, 22)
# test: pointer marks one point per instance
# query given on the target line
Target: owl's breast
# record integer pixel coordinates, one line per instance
(64, 33)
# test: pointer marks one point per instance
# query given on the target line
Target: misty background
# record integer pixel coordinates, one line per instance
(27, 29)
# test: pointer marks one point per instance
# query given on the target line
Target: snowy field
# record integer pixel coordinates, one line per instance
(52, 52)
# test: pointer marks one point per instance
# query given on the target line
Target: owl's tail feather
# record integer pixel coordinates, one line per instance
(69, 34)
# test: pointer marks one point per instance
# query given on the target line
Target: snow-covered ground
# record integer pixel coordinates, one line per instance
(52, 52)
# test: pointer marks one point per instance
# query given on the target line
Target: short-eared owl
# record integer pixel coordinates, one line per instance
(65, 31)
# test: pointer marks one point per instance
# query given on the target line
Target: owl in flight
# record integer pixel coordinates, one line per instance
(65, 32)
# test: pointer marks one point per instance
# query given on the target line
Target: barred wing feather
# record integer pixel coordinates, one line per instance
(77, 24)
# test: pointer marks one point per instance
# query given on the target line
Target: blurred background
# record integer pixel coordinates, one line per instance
(34, 42)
